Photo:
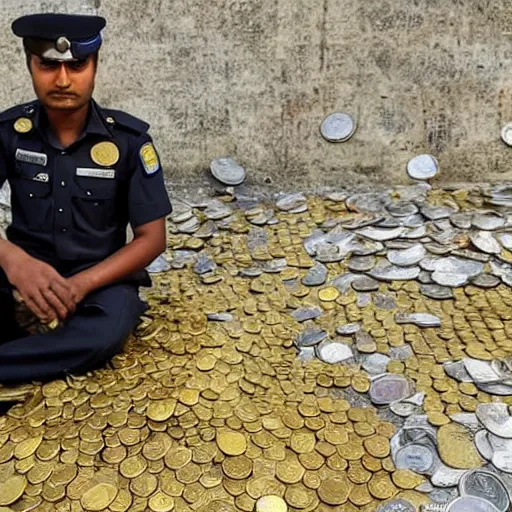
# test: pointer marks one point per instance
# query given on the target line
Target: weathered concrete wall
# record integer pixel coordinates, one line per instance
(254, 79)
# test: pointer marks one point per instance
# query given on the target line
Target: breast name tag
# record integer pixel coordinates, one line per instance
(96, 173)
(31, 157)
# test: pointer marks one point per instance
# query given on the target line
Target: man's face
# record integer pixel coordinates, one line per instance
(63, 85)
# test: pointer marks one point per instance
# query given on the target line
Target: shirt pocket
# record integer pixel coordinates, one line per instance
(94, 202)
(32, 190)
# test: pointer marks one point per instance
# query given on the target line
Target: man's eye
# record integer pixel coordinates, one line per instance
(78, 65)
(48, 64)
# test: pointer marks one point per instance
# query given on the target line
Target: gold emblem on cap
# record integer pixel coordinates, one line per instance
(105, 154)
(23, 125)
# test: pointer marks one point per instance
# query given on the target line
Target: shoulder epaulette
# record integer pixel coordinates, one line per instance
(125, 120)
(24, 110)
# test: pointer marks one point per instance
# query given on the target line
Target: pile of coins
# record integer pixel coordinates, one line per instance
(302, 354)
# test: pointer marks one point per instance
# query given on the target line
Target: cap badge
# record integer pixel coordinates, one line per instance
(23, 125)
(63, 44)
(105, 154)
(149, 158)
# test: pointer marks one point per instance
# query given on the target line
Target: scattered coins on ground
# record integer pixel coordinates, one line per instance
(345, 352)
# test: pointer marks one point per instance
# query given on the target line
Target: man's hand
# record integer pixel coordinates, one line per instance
(44, 291)
(79, 287)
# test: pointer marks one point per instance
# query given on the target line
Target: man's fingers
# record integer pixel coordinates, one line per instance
(42, 315)
(54, 301)
(64, 295)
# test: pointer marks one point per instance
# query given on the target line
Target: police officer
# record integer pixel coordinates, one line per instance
(79, 174)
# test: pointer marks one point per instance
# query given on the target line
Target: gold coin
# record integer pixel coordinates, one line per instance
(237, 468)
(189, 474)
(381, 486)
(12, 489)
(23, 125)
(160, 502)
(328, 294)
(161, 410)
(28, 447)
(231, 443)
(438, 419)
(377, 446)
(336, 434)
(105, 154)
(299, 496)
(351, 451)
(360, 496)
(178, 457)
(405, 479)
(313, 460)
(99, 497)
(302, 442)
(358, 474)
(263, 486)
(290, 471)
(271, 504)
(133, 466)
(456, 447)
(144, 485)
(335, 489)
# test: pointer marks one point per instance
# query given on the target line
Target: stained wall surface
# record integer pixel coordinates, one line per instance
(254, 79)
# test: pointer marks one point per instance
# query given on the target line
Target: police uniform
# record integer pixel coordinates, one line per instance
(70, 209)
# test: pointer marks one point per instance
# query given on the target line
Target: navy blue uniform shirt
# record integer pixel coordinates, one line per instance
(71, 207)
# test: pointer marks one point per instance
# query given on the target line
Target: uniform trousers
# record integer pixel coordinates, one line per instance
(84, 342)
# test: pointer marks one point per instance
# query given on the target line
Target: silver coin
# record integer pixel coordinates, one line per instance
(506, 134)
(441, 498)
(160, 264)
(393, 273)
(274, 266)
(363, 299)
(338, 127)
(461, 220)
(401, 209)
(495, 389)
(416, 457)
(485, 241)
(404, 258)
(375, 364)
(381, 234)
(486, 281)
(457, 370)
(190, 226)
(486, 485)
(365, 284)
(488, 221)
(415, 233)
(204, 264)
(316, 275)
(468, 419)
(227, 171)
(419, 319)
(505, 240)
(437, 212)
(403, 409)
(397, 506)
(434, 291)
(483, 445)
(389, 388)
(365, 342)
(422, 167)
(287, 202)
(480, 371)
(496, 419)
(307, 313)
(348, 329)
(471, 504)
(220, 317)
(333, 352)
(310, 337)
(361, 263)
(503, 460)
(445, 476)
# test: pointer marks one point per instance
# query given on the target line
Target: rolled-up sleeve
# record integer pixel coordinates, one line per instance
(148, 199)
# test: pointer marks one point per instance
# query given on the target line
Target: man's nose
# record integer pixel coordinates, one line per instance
(63, 77)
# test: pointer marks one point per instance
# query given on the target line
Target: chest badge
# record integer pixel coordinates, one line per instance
(105, 154)
(23, 125)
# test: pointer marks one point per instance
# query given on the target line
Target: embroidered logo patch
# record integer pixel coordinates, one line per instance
(96, 173)
(149, 158)
(31, 157)
(23, 125)
(105, 153)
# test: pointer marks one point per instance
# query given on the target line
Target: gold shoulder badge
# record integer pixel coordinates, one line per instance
(149, 158)
(105, 154)
(23, 125)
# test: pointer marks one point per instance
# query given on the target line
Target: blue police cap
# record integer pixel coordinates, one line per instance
(62, 37)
